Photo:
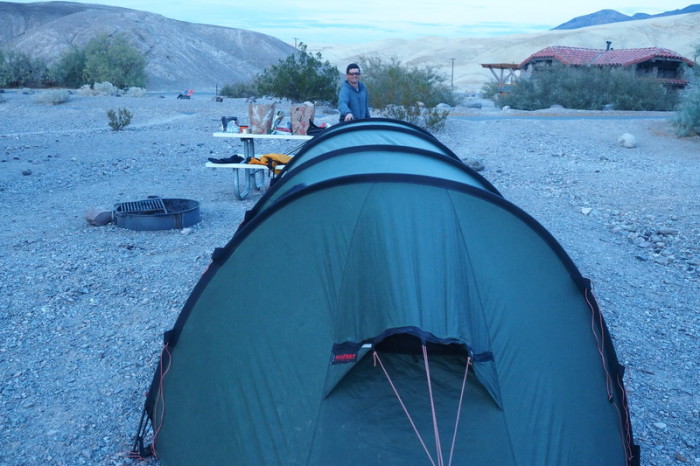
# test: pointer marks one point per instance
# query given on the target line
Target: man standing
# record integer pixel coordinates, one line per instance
(353, 98)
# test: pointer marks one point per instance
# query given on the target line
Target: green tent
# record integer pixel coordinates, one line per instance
(383, 304)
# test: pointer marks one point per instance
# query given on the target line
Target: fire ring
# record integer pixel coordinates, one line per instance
(156, 214)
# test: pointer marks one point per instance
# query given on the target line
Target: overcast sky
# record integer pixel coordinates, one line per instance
(338, 22)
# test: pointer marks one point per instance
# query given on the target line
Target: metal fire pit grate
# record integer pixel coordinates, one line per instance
(145, 207)
(156, 214)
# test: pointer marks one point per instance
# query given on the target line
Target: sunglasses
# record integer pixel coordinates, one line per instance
(354, 73)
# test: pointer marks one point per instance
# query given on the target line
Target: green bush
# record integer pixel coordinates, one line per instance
(114, 60)
(52, 96)
(392, 83)
(435, 119)
(407, 93)
(70, 69)
(300, 77)
(239, 90)
(490, 90)
(119, 120)
(20, 70)
(103, 59)
(687, 118)
(588, 88)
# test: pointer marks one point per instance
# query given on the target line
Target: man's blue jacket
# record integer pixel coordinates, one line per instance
(355, 101)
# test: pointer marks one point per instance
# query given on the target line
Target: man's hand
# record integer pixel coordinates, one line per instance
(348, 117)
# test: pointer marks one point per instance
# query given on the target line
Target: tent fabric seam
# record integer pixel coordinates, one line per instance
(291, 170)
(502, 411)
(373, 124)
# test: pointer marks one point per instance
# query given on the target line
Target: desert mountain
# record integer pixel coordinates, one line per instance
(612, 16)
(678, 33)
(180, 54)
(186, 55)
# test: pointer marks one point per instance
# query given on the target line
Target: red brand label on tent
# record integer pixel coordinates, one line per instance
(344, 358)
(344, 353)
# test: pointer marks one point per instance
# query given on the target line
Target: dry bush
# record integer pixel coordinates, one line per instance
(52, 96)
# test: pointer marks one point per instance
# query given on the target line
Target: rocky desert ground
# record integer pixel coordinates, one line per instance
(83, 307)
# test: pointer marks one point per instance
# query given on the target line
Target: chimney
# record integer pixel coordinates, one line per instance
(608, 44)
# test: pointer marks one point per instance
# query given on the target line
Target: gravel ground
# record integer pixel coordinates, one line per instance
(83, 308)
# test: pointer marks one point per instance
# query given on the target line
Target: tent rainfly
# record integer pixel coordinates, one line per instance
(383, 304)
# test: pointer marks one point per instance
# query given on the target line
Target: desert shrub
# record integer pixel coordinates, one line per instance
(300, 77)
(687, 119)
(52, 96)
(119, 120)
(239, 90)
(410, 113)
(407, 93)
(98, 89)
(136, 92)
(588, 88)
(490, 90)
(104, 88)
(20, 70)
(392, 83)
(432, 119)
(115, 60)
(85, 90)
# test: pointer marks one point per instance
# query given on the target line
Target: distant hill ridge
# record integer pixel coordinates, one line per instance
(186, 55)
(612, 16)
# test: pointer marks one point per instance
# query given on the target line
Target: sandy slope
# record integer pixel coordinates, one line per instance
(678, 33)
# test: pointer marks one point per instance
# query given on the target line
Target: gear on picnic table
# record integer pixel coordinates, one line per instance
(232, 159)
(271, 160)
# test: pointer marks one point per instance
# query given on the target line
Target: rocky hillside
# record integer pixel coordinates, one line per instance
(180, 54)
(186, 55)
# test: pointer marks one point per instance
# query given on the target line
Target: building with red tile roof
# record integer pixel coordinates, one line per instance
(660, 63)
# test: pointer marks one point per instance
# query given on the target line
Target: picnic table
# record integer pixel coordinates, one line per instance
(250, 176)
